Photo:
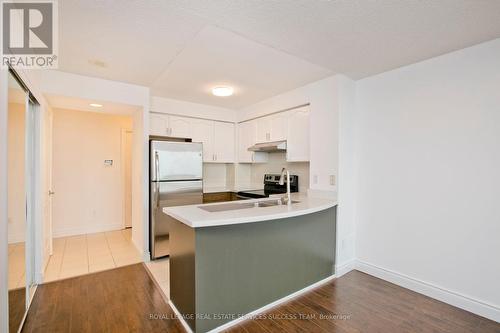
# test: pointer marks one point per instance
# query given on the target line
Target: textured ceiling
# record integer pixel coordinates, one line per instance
(357, 38)
(218, 57)
(180, 48)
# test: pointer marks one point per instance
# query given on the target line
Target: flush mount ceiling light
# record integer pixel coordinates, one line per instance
(95, 105)
(222, 91)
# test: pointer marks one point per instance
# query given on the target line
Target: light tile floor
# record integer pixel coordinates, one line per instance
(160, 271)
(83, 254)
(17, 266)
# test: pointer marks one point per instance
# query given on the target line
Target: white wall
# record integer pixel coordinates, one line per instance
(16, 165)
(188, 109)
(89, 195)
(346, 210)
(428, 177)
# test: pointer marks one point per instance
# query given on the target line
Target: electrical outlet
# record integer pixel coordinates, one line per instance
(315, 179)
(332, 180)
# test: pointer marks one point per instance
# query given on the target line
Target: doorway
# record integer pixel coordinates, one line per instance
(91, 179)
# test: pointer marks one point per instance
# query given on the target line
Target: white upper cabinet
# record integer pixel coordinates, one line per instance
(279, 126)
(165, 125)
(263, 129)
(247, 135)
(272, 128)
(219, 138)
(158, 124)
(180, 127)
(202, 131)
(298, 135)
(223, 142)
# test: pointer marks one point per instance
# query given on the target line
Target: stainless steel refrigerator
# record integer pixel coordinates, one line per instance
(176, 170)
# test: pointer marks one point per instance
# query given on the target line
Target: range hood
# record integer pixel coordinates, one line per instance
(269, 147)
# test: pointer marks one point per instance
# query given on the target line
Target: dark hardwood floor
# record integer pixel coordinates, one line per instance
(118, 300)
(17, 308)
(122, 300)
(358, 302)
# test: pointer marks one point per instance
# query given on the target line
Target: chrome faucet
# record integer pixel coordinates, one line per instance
(282, 181)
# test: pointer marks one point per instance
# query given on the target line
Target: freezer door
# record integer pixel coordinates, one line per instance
(165, 194)
(176, 160)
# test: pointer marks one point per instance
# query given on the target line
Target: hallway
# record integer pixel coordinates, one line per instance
(83, 254)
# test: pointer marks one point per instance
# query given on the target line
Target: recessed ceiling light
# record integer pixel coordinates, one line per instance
(222, 91)
(95, 105)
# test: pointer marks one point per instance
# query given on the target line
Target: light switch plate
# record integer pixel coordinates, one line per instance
(315, 179)
(332, 180)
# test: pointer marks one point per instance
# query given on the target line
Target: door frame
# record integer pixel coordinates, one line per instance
(124, 133)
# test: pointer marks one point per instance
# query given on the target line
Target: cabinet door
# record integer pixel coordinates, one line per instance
(203, 131)
(223, 142)
(158, 124)
(279, 126)
(247, 132)
(180, 127)
(263, 129)
(298, 135)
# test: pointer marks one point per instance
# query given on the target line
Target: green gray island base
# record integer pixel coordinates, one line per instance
(220, 273)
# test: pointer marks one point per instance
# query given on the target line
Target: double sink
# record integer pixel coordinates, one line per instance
(244, 205)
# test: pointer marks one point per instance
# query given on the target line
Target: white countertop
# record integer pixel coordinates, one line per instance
(196, 217)
(215, 189)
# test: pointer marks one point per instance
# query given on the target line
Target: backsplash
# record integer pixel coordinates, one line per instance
(276, 162)
(214, 175)
(219, 175)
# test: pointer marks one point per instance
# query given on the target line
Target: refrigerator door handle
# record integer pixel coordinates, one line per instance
(157, 183)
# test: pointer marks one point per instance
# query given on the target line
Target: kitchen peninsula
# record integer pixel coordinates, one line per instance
(230, 259)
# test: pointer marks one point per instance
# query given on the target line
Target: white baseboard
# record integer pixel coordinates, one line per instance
(345, 267)
(461, 301)
(16, 238)
(180, 317)
(63, 232)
